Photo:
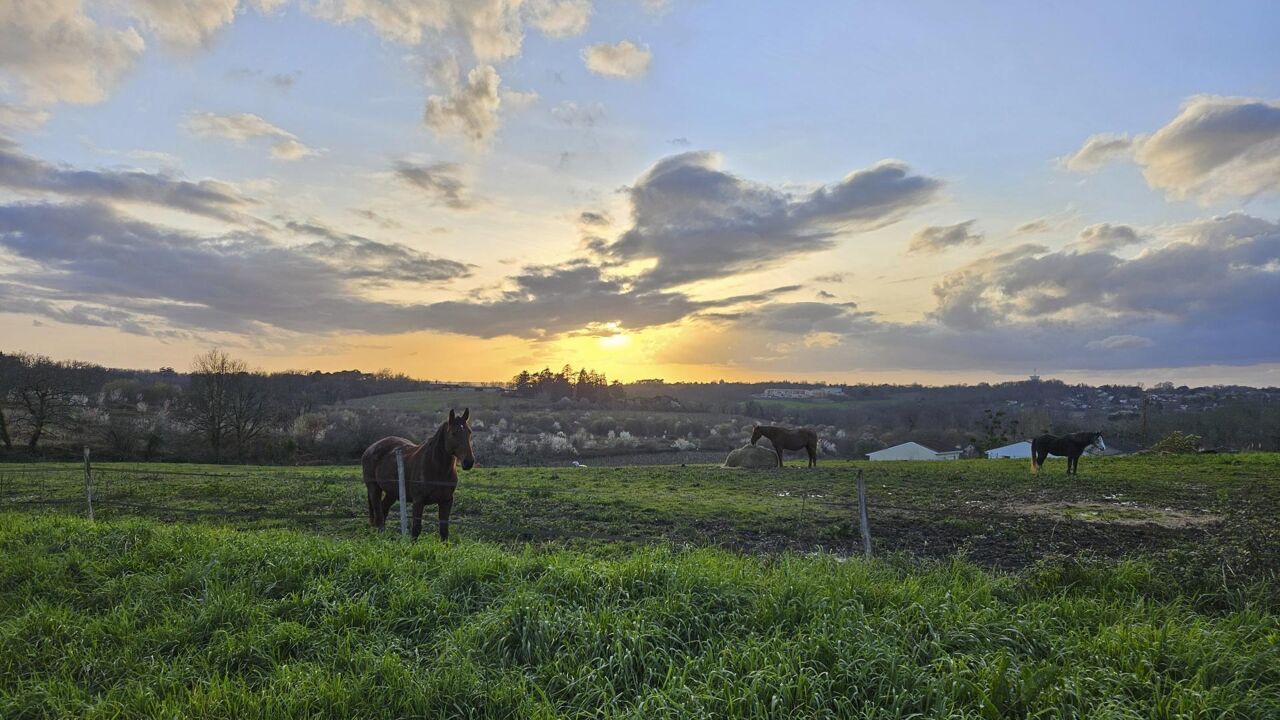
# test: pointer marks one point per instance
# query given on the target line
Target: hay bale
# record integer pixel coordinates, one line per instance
(751, 456)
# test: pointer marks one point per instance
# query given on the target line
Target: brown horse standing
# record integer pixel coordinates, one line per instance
(430, 472)
(788, 439)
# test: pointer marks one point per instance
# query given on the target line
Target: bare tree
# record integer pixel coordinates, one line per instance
(227, 402)
(248, 408)
(209, 400)
(45, 390)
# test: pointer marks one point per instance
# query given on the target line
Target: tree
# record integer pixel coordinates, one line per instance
(248, 408)
(995, 429)
(10, 366)
(210, 398)
(45, 390)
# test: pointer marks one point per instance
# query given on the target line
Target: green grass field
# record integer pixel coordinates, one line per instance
(1143, 588)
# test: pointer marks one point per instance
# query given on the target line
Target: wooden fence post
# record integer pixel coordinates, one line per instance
(404, 512)
(88, 482)
(862, 516)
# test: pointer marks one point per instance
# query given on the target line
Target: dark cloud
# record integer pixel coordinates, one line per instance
(1206, 296)
(358, 257)
(700, 222)
(594, 219)
(833, 278)
(439, 180)
(128, 273)
(937, 238)
(27, 174)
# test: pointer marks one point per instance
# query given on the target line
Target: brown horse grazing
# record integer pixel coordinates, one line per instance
(788, 439)
(1069, 446)
(430, 472)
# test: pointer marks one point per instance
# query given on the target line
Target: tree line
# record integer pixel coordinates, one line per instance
(584, 384)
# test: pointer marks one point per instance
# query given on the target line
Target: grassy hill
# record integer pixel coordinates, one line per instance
(133, 618)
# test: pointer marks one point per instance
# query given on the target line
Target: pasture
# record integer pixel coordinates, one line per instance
(1144, 587)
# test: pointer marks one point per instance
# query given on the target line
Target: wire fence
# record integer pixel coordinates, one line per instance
(336, 501)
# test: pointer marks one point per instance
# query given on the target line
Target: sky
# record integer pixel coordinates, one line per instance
(930, 192)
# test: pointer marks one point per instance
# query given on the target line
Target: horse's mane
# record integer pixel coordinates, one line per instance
(435, 454)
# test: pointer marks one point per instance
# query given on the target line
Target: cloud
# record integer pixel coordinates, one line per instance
(492, 29)
(146, 278)
(56, 53)
(574, 115)
(16, 117)
(439, 180)
(184, 23)
(560, 18)
(469, 110)
(831, 278)
(699, 222)
(1032, 227)
(938, 238)
(620, 60)
(1203, 297)
(245, 126)
(359, 258)
(279, 81)
(1215, 148)
(1210, 279)
(1119, 342)
(132, 274)
(1097, 151)
(588, 219)
(23, 173)
(378, 218)
(1106, 237)
(518, 100)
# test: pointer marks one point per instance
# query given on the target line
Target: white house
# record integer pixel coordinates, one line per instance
(913, 451)
(1016, 450)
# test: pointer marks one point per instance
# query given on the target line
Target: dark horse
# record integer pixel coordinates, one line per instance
(430, 472)
(1069, 446)
(788, 439)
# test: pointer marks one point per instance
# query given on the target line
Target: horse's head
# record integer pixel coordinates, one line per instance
(457, 438)
(756, 434)
(1098, 443)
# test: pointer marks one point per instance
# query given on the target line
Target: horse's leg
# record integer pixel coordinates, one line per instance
(778, 450)
(418, 503)
(813, 454)
(445, 507)
(371, 490)
(387, 501)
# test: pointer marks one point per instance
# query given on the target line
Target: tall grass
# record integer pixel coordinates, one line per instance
(133, 618)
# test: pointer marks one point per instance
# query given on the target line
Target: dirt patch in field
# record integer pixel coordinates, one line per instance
(1116, 514)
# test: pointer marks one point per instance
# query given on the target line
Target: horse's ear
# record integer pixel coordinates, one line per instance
(466, 413)
(451, 415)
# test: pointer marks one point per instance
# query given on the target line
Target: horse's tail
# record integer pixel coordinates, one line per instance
(1035, 469)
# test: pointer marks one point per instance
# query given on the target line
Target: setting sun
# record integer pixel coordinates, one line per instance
(615, 341)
